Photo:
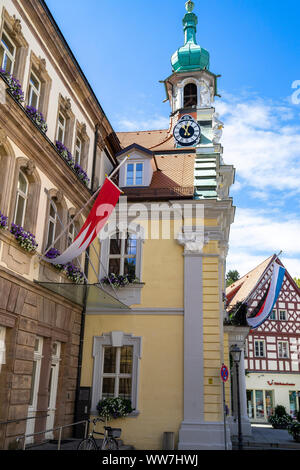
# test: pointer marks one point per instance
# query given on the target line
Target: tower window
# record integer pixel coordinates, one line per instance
(190, 95)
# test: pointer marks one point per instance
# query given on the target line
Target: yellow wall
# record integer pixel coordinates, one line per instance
(161, 373)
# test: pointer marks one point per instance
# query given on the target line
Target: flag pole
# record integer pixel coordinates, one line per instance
(85, 205)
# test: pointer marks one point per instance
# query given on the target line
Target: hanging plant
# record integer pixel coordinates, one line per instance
(37, 117)
(25, 239)
(3, 221)
(14, 86)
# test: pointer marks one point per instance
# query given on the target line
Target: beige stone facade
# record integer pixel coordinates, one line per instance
(39, 330)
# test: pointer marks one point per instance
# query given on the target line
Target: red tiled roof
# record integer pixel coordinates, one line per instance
(159, 140)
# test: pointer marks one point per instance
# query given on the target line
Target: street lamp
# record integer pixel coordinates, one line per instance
(236, 356)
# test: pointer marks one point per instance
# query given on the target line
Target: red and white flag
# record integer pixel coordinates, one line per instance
(103, 207)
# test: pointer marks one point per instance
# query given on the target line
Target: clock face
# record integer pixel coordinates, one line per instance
(187, 131)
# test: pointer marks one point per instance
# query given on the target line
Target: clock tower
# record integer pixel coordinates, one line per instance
(191, 90)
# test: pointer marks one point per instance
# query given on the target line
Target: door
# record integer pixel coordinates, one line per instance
(34, 390)
(52, 388)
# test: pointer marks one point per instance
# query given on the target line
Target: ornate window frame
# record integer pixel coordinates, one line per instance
(31, 215)
(65, 108)
(80, 133)
(7, 162)
(13, 28)
(61, 205)
(37, 66)
(115, 339)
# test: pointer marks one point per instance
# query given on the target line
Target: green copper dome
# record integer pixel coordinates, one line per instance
(190, 56)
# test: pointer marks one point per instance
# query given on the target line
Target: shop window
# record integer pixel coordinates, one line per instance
(293, 403)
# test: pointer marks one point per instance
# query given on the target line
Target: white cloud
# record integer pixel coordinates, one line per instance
(256, 234)
(261, 143)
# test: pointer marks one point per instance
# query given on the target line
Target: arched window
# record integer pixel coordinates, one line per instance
(21, 199)
(190, 95)
(122, 254)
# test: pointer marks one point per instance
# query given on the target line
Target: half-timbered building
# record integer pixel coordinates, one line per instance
(272, 351)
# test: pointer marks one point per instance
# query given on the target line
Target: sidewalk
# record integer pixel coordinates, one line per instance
(264, 437)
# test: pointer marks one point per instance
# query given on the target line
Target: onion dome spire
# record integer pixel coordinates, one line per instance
(191, 56)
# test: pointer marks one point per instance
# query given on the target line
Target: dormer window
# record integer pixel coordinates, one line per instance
(134, 174)
(190, 95)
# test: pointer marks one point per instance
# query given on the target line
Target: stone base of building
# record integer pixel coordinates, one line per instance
(203, 436)
(245, 426)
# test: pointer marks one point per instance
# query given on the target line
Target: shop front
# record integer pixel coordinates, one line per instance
(265, 391)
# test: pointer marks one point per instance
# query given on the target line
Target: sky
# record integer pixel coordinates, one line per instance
(124, 49)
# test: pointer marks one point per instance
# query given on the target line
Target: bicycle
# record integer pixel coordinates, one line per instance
(109, 441)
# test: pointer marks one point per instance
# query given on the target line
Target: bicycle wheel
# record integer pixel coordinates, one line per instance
(87, 444)
(110, 444)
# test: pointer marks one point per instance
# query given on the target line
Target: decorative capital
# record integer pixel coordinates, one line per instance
(30, 167)
(193, 240)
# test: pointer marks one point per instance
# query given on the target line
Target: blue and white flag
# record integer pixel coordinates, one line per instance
(270, 299)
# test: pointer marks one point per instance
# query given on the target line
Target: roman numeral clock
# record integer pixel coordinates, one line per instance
(187, 131)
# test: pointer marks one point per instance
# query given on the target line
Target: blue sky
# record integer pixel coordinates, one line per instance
(124, 49)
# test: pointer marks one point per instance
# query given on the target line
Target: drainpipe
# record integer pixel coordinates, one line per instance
(94, 155)
(79, 368)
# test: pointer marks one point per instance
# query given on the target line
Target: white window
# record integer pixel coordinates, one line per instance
(282, 315)
(7, 53)
(122, 254)
(116, 379)
(21, 199)
(273, 315)
(51, 224)
(259, 348)
(34, 91)
(78, 150)
(2, 346)
(116, 367)
(283, 349)
(61, 128)
(134, 174)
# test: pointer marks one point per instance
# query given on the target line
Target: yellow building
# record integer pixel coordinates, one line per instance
(171, 236)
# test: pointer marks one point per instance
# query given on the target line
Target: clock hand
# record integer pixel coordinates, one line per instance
(186, 128)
